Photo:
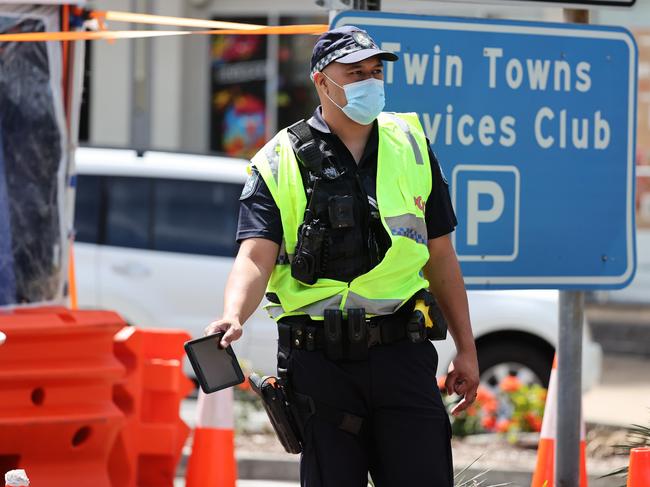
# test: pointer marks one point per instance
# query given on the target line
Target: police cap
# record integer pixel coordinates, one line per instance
(347, 44)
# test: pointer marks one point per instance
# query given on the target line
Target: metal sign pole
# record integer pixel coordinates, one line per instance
(569, 398)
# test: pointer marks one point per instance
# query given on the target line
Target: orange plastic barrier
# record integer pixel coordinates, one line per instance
(58, 420)
(638, 474)
(149, 447)
(214, 437)
(544, 475)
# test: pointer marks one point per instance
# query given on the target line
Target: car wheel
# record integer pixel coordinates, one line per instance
(522, 360)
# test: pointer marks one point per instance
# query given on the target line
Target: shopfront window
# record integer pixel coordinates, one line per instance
(296, 94)
(239, 68)
(238, 89)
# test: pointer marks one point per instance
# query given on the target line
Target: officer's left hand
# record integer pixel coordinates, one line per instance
(463, 379)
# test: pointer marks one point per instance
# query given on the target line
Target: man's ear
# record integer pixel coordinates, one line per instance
(319, 79)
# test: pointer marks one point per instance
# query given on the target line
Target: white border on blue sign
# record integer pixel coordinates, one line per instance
(510, 27)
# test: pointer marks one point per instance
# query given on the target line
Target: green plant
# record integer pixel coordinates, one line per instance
(475, 481)
(637, 435)
(461, 481)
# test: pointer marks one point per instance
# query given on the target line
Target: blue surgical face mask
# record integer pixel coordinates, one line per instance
(365, 98)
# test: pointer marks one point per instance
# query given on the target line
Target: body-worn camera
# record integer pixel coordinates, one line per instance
(306, 264)
(341, 211)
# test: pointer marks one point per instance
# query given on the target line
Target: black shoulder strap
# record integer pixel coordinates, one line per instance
(306, 146)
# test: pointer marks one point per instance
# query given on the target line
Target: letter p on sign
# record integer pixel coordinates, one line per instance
(486, 199)
(475, 214)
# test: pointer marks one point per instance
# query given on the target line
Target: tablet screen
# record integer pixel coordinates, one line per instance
(218, 366)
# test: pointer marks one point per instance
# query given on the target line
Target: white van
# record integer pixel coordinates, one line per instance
(155, 242)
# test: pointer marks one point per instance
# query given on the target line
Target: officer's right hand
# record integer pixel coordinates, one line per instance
(231, 327)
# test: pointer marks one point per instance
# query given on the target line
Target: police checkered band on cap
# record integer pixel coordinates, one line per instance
(333, 56)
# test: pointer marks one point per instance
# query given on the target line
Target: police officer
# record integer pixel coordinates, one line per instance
(344, 222)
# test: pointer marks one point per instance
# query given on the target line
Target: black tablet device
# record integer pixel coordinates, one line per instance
(215, 367)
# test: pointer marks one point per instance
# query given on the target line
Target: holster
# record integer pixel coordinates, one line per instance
(279, 410)
(427, 321)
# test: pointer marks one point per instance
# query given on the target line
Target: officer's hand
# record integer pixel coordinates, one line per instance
(463, 379)
(231, 327)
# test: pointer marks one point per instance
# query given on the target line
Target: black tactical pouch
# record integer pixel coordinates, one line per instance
(333, 327)
(357, 334)
(306, 264)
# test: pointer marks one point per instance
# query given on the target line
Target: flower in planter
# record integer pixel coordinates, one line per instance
(503, 425)
(489, 423)
(534, 421)
(515, 408)
(510, 384)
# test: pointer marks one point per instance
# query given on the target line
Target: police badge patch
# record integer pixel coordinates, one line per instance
(362, 39)
(251, 185)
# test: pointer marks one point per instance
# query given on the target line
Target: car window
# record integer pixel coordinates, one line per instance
(86, 211)
(128, 214)
(196, 217)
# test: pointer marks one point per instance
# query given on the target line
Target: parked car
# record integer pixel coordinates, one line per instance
(155, 242)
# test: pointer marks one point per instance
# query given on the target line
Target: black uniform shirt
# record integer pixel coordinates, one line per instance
(259, 216)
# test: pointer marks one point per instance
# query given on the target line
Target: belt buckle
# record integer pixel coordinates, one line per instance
(374, 333)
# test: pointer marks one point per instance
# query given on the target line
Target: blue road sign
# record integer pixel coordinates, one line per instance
(534, 126)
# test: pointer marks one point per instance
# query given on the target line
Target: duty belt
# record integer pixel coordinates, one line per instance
(343, 338)
(308, 334)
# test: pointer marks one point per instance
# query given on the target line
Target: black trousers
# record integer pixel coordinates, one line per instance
(405, 439)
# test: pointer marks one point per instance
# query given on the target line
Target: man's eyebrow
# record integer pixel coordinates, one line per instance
(379, 64)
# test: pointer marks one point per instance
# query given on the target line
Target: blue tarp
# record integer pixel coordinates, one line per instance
(32, 130)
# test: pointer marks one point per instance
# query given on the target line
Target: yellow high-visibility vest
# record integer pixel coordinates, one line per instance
(403, 185)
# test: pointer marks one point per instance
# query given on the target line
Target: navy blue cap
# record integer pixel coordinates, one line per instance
(347, 44)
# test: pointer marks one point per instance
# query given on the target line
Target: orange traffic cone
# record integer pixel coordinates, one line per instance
(544, 475)
(213, 448)
(638, 474)
(16, 478)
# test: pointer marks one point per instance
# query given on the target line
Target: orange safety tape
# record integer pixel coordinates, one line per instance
(86, 36)
(135, 18)
(278, 30)
(138, 34)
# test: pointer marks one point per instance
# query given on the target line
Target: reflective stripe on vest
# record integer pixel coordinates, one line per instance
(408, 226)
(403, 184)
(407, 130)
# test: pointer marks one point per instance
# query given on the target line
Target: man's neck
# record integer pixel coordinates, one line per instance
(352, 134)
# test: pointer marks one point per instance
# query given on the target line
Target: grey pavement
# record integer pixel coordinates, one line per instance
(623, 395)
(621, 329)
